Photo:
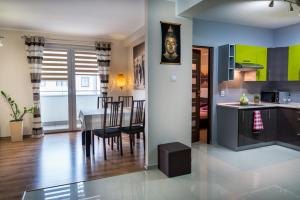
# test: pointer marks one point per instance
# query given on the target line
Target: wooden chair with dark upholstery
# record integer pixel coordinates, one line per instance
(127, 100)
(137, 122)
(112, 125)
(102, 100)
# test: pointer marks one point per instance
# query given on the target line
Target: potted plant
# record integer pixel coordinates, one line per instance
(16, 124)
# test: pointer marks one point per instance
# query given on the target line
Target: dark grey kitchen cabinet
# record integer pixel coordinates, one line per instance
(278, 64)
(289, 126)
(246, 134)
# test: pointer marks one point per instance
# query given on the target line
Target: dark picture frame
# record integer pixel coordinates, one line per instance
(171, 43)
(139, 66)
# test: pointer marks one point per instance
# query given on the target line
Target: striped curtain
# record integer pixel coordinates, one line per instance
(103, 59)
(35, 49)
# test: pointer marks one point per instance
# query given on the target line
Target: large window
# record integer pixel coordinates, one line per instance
(70, 82)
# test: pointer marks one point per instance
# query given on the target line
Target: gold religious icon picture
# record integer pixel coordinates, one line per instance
(170, 43)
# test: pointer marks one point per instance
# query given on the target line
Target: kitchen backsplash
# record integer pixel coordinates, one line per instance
(234, 89)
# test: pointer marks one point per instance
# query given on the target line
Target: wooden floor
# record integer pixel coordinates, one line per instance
(59, 159)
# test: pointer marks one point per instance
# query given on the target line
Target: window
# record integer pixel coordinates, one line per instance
(85, 81)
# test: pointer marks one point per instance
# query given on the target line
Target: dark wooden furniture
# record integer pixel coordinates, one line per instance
(102, 100)
(174, 159)
(278, 64)
(137, 122)
(127, 100)
(289, 126)
(247, 136)
(112, 124)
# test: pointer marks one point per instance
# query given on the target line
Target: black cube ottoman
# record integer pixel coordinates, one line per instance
(174, 159)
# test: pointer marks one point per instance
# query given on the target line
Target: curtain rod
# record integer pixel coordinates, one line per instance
(68, 40)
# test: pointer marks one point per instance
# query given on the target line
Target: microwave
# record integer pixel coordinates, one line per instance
(275, 96)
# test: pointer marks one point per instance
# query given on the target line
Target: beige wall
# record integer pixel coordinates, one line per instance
(169, 103)
(15, 78)
(137, 94)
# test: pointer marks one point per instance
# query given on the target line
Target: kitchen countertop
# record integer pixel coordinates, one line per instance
(258, 106)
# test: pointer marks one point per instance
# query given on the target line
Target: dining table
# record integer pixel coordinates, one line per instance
(92, 119)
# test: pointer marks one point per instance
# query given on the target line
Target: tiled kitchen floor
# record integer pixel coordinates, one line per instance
(268, 173)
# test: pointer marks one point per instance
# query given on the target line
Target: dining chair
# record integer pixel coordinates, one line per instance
(112, 125)
(137, 122)
(127, 100)
(102, 100)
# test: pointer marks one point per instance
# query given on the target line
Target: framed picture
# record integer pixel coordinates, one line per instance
(171, 49)
(139, 66)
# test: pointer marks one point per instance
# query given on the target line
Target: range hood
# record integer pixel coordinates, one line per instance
(248, 67)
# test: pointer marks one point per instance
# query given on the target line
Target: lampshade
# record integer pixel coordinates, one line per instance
(121, 81)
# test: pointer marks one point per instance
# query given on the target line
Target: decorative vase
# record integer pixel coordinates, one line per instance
(16, 131)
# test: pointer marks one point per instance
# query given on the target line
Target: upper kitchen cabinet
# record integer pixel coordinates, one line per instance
(253, 55)
(294, 63)
(226, 62)
(261, 59)
(278, 64)
(245, 54)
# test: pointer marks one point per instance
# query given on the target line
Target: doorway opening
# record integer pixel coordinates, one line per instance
(201, 94)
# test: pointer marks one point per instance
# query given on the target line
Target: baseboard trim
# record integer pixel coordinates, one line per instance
(149, 167)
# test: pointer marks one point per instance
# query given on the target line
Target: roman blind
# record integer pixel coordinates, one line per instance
(86, 63)
(55, 64)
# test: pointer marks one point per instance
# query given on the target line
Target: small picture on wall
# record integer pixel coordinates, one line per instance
(171, 51)
(139, 66)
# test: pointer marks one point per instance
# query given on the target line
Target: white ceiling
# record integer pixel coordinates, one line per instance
(246, 12)
(115, 19)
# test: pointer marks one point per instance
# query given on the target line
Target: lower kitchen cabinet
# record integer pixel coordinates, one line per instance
(289, 126)
(246, 135)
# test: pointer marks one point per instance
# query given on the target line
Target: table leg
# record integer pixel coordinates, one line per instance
(82, 138)
(87, 143)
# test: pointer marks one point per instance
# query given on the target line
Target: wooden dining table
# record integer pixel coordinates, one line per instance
(92, 119)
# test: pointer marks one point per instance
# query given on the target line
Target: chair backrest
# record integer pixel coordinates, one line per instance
(127, 100)
(102, 100)
(113, 115)
(137, 116)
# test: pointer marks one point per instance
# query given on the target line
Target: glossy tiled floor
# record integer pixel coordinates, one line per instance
(268, 173)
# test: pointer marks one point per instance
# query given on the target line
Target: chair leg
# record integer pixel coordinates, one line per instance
(112, 144)
(93, 143)
(131, 143)
(104, 148)
(118, 143)
(144, 139)
(133, 139)
(121, 147)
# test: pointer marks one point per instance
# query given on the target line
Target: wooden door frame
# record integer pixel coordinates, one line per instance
(210, 88)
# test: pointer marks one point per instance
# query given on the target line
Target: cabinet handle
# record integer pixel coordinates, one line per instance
(246, 61)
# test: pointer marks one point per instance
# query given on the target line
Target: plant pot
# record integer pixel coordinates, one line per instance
(16, 131)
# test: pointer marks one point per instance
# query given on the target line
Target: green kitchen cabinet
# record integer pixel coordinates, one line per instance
(261, 59)
(253, 55)
(245, 53)
(294, 63)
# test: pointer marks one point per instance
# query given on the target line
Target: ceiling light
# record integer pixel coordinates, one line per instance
(271, 5)
(291, 7)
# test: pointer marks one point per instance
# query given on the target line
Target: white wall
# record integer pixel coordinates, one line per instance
(15, 72)
(169, 103)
